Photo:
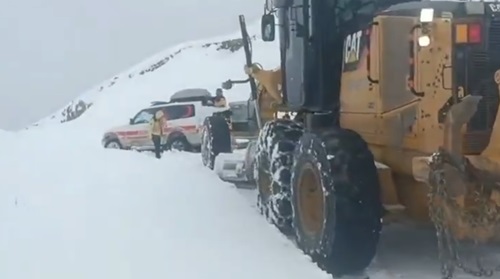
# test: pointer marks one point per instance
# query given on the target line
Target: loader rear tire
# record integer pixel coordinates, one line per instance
(273, 163)
(215, 139)
(336, 201)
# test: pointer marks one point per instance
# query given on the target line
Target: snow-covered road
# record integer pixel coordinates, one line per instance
(71, 209)
(75, 210)
(406, 250)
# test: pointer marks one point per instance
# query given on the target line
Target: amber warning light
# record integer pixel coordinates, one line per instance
(470, 33)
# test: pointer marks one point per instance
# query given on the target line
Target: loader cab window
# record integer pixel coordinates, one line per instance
(310, 18)
(284, 31)
(353, 13)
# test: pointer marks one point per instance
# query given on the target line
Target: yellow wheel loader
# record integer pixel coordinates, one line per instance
(397, 115)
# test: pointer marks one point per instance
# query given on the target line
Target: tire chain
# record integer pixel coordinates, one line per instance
(266, 147)
(207, 148)
(479, 215)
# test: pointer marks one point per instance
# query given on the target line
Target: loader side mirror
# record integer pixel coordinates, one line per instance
(131, 121)
(268, 28)
(226, 85)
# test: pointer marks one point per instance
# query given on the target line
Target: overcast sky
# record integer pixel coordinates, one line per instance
(52, 50)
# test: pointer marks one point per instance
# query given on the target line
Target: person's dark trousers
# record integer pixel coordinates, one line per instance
(157, 143)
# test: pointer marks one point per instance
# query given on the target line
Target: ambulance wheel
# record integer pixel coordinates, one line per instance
(113, 144)
(178, 142)
(215, 139)
(336, 205)
(272, 170)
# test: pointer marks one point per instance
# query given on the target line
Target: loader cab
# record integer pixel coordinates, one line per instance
(311, 35)
(404, 70)
(298, 51)
(380, 65)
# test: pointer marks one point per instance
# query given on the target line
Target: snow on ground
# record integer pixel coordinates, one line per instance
(407, 251)
(71, 209)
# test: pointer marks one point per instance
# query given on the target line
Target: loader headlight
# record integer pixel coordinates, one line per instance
(426, 15)
(424, 41)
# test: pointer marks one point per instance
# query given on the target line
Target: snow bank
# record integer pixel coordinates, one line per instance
(70, 209)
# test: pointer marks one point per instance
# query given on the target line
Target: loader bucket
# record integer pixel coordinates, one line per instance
(457, 116)
(464, 192)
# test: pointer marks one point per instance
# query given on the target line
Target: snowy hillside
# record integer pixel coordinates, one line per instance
(201, 64)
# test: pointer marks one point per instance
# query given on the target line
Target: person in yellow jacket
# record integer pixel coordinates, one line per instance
(156, 131)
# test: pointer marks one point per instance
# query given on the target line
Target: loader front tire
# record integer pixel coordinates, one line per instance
(272, 171)
(215, 139)
(336, 205)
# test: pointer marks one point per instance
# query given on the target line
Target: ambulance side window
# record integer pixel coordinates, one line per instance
(144, 116)
(179, 112)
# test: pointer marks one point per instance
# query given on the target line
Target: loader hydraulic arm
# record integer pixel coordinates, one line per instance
(269, 81)
(247, 46)
(228, 84)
